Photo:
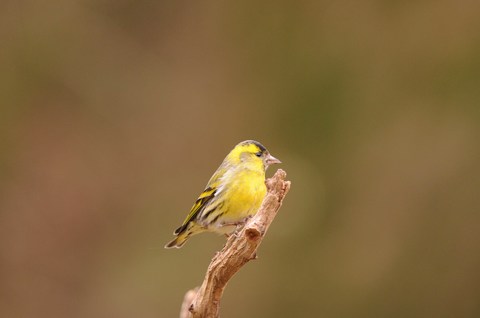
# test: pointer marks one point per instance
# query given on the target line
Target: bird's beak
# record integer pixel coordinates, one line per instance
(270, 160)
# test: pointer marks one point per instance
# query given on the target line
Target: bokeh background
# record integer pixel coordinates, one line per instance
(115, 113)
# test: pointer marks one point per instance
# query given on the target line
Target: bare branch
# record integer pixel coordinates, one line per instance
(240, 248)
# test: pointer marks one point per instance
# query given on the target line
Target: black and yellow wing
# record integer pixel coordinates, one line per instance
(202, 202)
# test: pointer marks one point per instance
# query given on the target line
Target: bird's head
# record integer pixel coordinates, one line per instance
(252, 154)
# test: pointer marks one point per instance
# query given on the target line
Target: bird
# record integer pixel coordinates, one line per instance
(233, 194)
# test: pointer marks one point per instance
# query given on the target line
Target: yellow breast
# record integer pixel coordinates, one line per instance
(245, 192)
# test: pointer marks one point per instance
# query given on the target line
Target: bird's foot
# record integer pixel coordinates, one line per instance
(238, 225)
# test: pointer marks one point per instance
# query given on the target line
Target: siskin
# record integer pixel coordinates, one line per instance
(233, 194)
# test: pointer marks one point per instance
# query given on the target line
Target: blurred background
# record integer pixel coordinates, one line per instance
(114, 115)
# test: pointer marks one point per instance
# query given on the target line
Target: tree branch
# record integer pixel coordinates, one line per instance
(240, 248)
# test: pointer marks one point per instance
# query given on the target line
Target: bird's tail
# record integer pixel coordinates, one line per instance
(178, 241)
(183, 233)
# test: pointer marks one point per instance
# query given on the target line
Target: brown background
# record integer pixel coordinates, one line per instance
(114, 114)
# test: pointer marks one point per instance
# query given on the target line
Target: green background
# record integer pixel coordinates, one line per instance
(114, 115)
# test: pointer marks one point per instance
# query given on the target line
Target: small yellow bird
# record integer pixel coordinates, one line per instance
(233, 194)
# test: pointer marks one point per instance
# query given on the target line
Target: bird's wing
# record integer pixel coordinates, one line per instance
(203, 200)
(213, 189)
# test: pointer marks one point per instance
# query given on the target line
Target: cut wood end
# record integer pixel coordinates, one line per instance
(277, 184)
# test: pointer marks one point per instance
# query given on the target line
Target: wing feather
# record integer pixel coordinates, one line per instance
(203, 200)
(213, 189)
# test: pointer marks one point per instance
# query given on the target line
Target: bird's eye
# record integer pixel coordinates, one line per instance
(258, 154)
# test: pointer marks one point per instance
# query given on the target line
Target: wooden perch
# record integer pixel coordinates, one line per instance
(204, 302)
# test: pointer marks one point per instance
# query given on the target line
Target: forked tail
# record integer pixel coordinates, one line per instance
(178, 241)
